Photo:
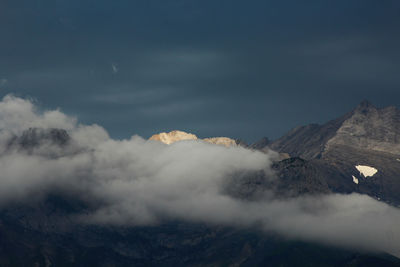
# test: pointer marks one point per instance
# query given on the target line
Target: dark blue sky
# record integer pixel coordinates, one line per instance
(243, 69)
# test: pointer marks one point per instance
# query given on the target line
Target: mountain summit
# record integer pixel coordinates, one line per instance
(175, 136)
(364, 128)
(366, 138)
(370, 128)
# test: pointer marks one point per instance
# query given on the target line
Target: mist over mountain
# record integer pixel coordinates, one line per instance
(199, 133)
(59, 177)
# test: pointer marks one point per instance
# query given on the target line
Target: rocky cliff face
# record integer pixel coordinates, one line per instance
(366, 136)
(370, 128)
(308, 141)
(365, 128)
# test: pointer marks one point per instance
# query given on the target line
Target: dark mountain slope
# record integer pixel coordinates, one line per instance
(366, 136)
(27, 241)
(307, 141)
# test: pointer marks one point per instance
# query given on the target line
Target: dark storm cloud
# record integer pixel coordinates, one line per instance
(140, 182)
(260, 67)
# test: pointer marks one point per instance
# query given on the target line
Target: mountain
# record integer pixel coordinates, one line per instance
(365, 138)
(35, 137)
(358, 152)
(225, 141)
(174, 244)
(260, 144)
(45, 235)
(175, 136)
(172, 137)
(364, 128)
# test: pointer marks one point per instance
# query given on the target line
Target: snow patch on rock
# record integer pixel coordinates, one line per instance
(366, 171)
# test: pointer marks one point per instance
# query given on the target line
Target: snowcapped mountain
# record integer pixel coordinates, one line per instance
(176, 136)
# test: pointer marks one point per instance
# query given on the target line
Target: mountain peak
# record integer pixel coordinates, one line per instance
(365, 103)
(262, 143)
(225, 141)
(33, 137)
(365, 106)
(365, 128)
(173, 136)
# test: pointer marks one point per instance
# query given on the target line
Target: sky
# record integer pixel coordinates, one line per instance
(243, 69)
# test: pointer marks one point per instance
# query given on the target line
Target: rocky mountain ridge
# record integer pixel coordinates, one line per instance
(366, 136)
(365, 128)
(371, 129)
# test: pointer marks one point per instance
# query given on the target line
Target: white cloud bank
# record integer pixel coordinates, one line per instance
(141, 182)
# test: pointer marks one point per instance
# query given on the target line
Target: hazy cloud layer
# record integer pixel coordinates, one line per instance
(141, 182)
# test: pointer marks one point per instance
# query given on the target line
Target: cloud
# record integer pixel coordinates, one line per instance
(136, 97)
(114, 68)
(141, 182)
(17, 114)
